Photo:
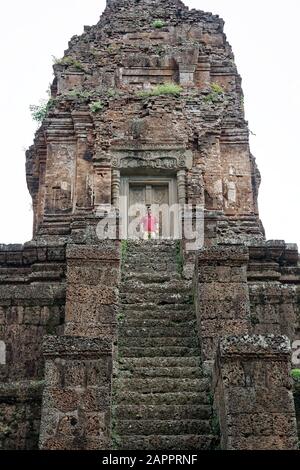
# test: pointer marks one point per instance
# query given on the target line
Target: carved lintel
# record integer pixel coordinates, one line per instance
(168, 160)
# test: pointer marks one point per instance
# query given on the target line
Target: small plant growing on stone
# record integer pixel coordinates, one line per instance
(112, 93)
(69, 61)
(295, 373)
(216, 93)
(158, 24)
(113, 48)
(78, 94)
(120, 317)
(39, 112)
(96, 106)
(168, 88)
(159, 49)
(216, 88)
(189, 300)
(124, 247)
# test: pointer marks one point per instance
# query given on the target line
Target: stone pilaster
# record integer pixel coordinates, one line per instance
(102, 185)
(83, 175)
(76, 398)
(76, 401)
(116, 179)
(222, 295)
(253, 393)
(181, 183)
(92, 289)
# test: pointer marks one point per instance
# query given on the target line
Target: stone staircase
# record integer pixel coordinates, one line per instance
(161, 397)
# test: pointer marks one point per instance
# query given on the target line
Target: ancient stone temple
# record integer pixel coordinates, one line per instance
(115, 335)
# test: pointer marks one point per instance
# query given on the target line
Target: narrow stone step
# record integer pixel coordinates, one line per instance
(166, 331)
(149, 278)
(158, 351)
(141, 315)
(160, 362)
(156, 288)
(143, 245)
(170, 398)
(173, 372)
(153, 255)
(162, 298)
(158, 250)
(161, 412)
(162, 427)
(150, 306)
(157, 341)
(151, 266)
(139, 323)
(148, 258)
(170, 442)
(161, 385)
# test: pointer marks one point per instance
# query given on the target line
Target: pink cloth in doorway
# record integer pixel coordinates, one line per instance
(149, 223)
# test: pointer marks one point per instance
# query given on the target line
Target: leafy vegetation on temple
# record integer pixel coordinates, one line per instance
(40, 111)
(113, 48)
(216, 88)
(124, 248)
(169, 88)
(158, 24)
(295, 373)
(112, 93)
(96, 106)
(79, 94)
(69, 61)
(216, 93)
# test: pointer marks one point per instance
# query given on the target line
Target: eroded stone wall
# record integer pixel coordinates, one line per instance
(273, 277)
(76, 411)
(222, 295)
(253, 393)
(32, 304)
(77, 397)
(20, 414)
(115, 65)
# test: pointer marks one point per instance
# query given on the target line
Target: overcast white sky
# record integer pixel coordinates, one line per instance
(265, 40)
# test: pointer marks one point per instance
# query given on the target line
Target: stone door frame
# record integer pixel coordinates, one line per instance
(165, 159)
(169, 182)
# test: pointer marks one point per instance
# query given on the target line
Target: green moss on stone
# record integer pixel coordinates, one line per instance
(295, 373)
(179, 257)
(170, 88)
(158, 24)
(69, 62)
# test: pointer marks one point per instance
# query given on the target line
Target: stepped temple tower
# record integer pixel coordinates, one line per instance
(115, 338)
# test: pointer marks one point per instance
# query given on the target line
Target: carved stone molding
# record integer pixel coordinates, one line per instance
(115, 185)
(168, 160)
(181, 184)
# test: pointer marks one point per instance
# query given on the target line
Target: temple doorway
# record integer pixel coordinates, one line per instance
(138, 194)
